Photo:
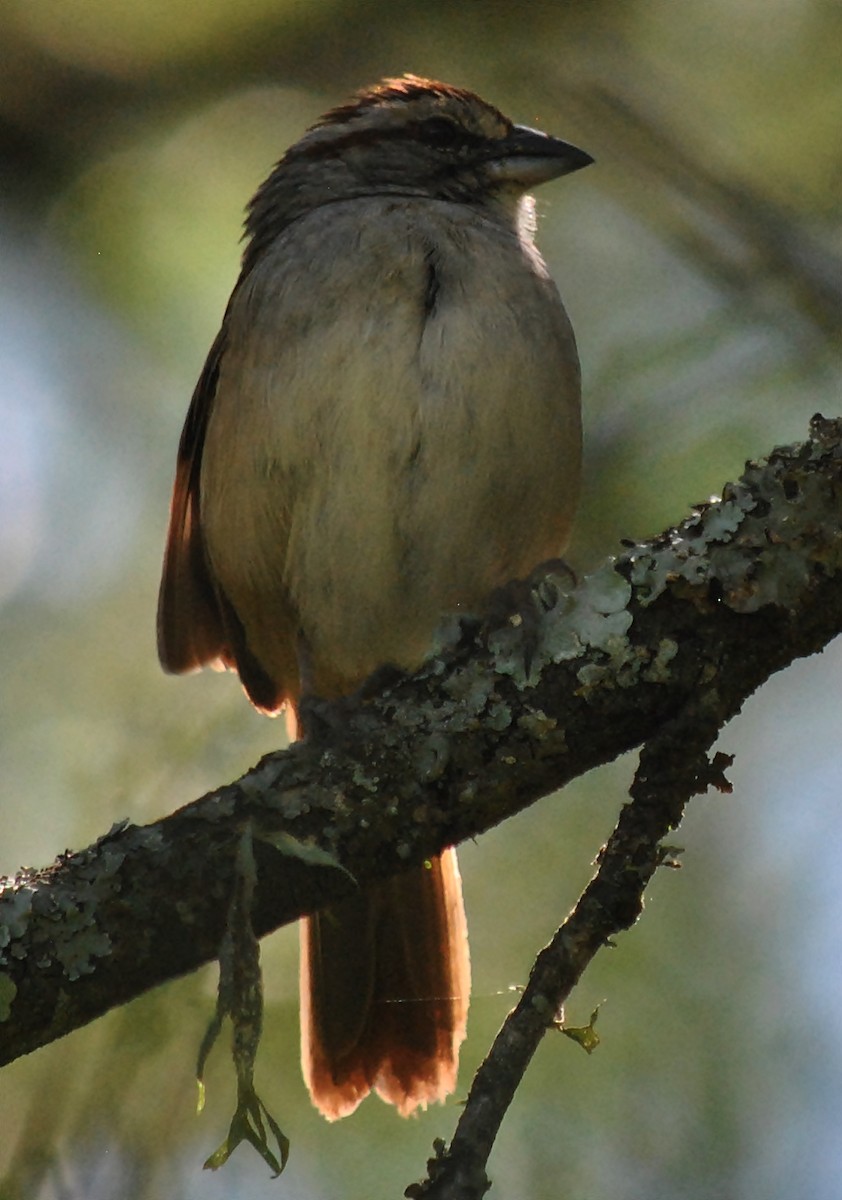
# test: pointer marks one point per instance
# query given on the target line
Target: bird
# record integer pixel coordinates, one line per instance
(386, 430)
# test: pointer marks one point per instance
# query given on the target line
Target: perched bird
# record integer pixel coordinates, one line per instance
(386, 430)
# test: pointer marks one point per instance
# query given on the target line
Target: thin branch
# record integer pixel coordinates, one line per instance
(499, 717)
(673, 768)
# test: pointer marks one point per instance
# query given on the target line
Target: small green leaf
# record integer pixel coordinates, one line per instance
(218, 1159)
(247, 1126)
(585, 1036)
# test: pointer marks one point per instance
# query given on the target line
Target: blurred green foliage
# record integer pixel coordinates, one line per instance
(700, 261)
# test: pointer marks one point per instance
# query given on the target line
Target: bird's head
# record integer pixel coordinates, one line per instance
(410, 137)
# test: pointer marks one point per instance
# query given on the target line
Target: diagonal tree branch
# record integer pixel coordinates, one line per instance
(693, 621)
(673, 768)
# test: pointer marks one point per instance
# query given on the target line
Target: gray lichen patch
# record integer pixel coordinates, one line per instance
(58, 925)
(594, 616)
(758, 545)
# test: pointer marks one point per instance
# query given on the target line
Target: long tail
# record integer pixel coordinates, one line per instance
(385, 982)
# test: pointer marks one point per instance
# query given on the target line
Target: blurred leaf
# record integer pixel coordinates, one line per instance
(293, 847)
(128, 38)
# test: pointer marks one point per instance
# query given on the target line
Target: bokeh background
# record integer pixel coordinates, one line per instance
(700, 261)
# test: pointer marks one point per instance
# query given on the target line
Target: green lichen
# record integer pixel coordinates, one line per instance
(15, 915)
(432, 757)
(537, 724)
(498, 716)
(8, 991)
(657, 670)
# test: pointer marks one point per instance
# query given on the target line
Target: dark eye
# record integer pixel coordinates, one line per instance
(441, 132)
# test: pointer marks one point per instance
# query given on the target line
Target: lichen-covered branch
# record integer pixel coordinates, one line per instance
(501, 715)
(673, 767)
